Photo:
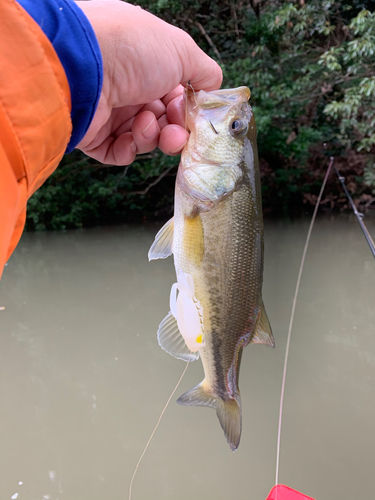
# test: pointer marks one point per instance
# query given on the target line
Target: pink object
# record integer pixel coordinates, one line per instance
(282, 492)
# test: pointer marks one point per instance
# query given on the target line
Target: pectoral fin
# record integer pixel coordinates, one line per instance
(263, 332)
(171, 340)
(163, 244)
(193, 239)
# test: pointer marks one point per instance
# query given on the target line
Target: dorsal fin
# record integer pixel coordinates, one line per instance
(263, 332)
(163, 243)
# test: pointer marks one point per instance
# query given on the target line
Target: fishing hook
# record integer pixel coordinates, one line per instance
(216, 132)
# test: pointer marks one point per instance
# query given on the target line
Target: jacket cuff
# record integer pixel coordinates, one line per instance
(75, 43)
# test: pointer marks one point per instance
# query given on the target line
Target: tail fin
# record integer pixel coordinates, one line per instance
(229, 414)
(228, 411)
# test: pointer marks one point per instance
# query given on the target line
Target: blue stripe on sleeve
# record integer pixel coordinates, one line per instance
(75, 43)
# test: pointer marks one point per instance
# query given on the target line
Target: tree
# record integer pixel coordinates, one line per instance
(310, 65)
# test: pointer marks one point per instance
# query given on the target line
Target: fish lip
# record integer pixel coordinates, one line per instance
(243, 91)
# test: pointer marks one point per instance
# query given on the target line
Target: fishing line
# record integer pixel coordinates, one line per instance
(188, 86)
(292, 316)
(185, 102)
(155, 428)
(357, 214)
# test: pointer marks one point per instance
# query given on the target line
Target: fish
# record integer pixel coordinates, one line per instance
(216, 238)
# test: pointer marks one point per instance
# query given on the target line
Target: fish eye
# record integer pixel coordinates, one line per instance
(238, 127)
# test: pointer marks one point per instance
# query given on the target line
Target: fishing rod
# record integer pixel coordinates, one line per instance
(359, 215)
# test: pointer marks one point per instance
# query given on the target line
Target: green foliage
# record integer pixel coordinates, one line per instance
(310, 65)
(82, 193)
(369, 175)
(353, 67)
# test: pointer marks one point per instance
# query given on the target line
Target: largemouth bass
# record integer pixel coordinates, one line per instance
(216, 237)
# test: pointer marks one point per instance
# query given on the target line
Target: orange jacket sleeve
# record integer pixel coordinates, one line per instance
(35, 123)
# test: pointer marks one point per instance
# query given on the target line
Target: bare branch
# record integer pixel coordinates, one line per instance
(256, 7)
(122, 175)
(146, 190)
(233, 6)
(370, 202)
(147, 156)
(217, 32)
(209, 40)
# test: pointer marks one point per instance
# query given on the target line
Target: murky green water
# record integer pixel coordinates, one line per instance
(83, 380)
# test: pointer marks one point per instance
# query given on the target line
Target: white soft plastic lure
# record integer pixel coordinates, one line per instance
(188, 312)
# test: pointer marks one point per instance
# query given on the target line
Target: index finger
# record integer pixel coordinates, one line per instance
(178, 91)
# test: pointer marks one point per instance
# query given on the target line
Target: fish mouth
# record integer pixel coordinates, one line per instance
(217, 98)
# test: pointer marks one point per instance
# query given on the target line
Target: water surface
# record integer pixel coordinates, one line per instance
(83, 380)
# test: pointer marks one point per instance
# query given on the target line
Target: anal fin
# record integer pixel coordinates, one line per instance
(197, 396)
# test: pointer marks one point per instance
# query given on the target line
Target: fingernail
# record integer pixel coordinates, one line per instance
(150, 131)
(133, 147)
(179, 149)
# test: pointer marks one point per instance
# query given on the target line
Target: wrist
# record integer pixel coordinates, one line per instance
(75, 43)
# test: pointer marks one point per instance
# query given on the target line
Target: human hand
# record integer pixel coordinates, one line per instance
(145, 62)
